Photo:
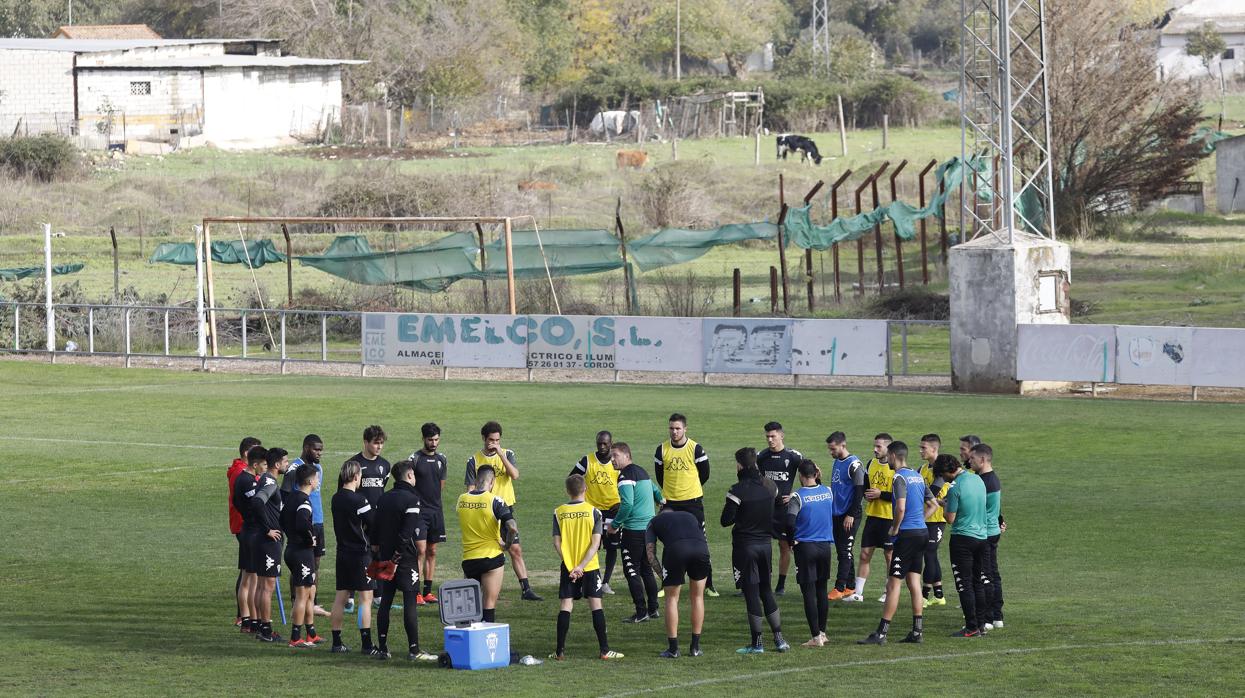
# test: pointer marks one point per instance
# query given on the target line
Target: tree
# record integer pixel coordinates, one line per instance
(1206, 45)
(1115, 127)
(711, 29)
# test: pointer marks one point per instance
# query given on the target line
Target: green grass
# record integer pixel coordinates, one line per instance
(118, 573)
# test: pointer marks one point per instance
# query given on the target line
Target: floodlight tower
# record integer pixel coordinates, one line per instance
(821, 36)
(1008, 269)
(1005, 114)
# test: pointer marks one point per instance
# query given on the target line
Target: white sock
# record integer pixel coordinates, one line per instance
(860, 585)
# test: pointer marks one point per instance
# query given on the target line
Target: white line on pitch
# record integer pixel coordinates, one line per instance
(924, 658)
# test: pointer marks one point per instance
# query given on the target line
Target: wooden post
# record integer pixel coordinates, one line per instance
(388, 127)
(834, 214)
(808, 253)
(842, 128)
(942, 222)
(736, 292)
(622, 245)
(142, 252)
(773, 291)
(886, 130)
(860, 241)
(116, 267)
(483, 279)
(898, 241)
(211, 287)
(782, 251)
(920, 180)
(509, 228)
(289, 268)
(877, 228)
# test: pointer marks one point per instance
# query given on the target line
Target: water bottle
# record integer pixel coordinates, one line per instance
(529, 660)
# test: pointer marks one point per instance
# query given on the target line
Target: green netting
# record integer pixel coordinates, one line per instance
(678, 245)
(1209, 138)
(569, 252)
(420, 269)
(261, 252)
(24, 272)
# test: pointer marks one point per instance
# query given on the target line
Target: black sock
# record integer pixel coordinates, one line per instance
(427, 587)
(382, 641)
(296, 633)
(265, 629)
(564, 626)
(246, 622)
(672, 644)
(524, 585)
(782, 581)
(918, 624)
(365, 638)
(925, 592)
(490, 615)
(337, 638)
(938, 592)
(883, 627)
(695, 641)
(311, 630)
(598, 624)
(756, 639)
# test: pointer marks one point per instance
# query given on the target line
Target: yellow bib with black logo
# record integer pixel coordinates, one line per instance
(680, 479)
(503, 486)
(927, 473)
(881, 477)
(575, 524)
(481, 531)
(602, 481)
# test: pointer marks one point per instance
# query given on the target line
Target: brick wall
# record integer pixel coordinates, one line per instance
(36, 87)
(145, 104)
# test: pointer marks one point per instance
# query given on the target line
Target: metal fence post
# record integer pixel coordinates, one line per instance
(324, 337)
(17, 327)
(282, 340)
(890, 375)
(127, 337)
(244, 334)
(90, 329)
(166, 331)
(903, 337)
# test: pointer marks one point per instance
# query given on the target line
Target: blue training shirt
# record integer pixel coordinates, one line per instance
(911, 487)
(317, 508)
(841, 484)
(814, 520)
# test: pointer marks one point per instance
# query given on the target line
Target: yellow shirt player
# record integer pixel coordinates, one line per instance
(681, 467)
(501, 461)
(601, 478)
(876, 532)
(577, 527)
(933, 471)
(487, 527)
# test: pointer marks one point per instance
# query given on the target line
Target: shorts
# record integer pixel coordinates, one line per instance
(301, 563)
(267, 554)
(690, 558)
(406, 579)
(318, 530)
(614, 541)
(352, 571)
(935, 531)
(877, 533)
(476, 567)
(812, 561)
(436, 526)
(588, 585)
(244, 555)
(909, 555)
(751, 562)
(779, 524)
(695, 507)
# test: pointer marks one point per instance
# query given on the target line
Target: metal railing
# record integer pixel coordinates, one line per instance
(914, 347)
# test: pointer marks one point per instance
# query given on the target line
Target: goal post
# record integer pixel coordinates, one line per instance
(505, 222)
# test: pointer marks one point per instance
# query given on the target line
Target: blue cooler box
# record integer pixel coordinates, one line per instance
(478, 646)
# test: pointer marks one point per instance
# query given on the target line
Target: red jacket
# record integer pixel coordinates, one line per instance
(235, 517)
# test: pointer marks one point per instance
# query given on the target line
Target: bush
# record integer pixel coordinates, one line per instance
(46, 158)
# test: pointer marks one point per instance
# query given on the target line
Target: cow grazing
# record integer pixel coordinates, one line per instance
(630, 158)
(791, 143)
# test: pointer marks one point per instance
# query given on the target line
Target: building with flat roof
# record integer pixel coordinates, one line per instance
(234, 93)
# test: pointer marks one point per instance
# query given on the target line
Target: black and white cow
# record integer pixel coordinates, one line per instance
(791, 143)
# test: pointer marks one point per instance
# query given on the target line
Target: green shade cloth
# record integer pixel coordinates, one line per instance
(261, 252)
(24, 272)
(678, 245)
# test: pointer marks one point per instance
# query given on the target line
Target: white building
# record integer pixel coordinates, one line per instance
(233, 93)
(1228, 18)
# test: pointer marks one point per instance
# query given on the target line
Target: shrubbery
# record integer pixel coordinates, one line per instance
(45, 158)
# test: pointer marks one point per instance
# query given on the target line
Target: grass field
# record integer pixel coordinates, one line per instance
(117, 578)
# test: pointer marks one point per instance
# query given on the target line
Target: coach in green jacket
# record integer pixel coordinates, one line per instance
(638, 499)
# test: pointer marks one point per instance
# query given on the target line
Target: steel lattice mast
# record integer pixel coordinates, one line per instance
(1005, 116)
(821, 36)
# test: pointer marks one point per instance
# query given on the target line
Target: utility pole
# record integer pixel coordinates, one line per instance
(678, 40)
(70, 12)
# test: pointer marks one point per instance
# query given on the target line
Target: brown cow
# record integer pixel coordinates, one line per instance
(536, 185)
(630, 158)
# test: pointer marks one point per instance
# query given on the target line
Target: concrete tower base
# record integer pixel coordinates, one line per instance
(994, 287)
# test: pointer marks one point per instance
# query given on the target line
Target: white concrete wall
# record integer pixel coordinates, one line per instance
(269, 105)
(1175, 63)
(175, 102)
(37, 88)
(1230, 175)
